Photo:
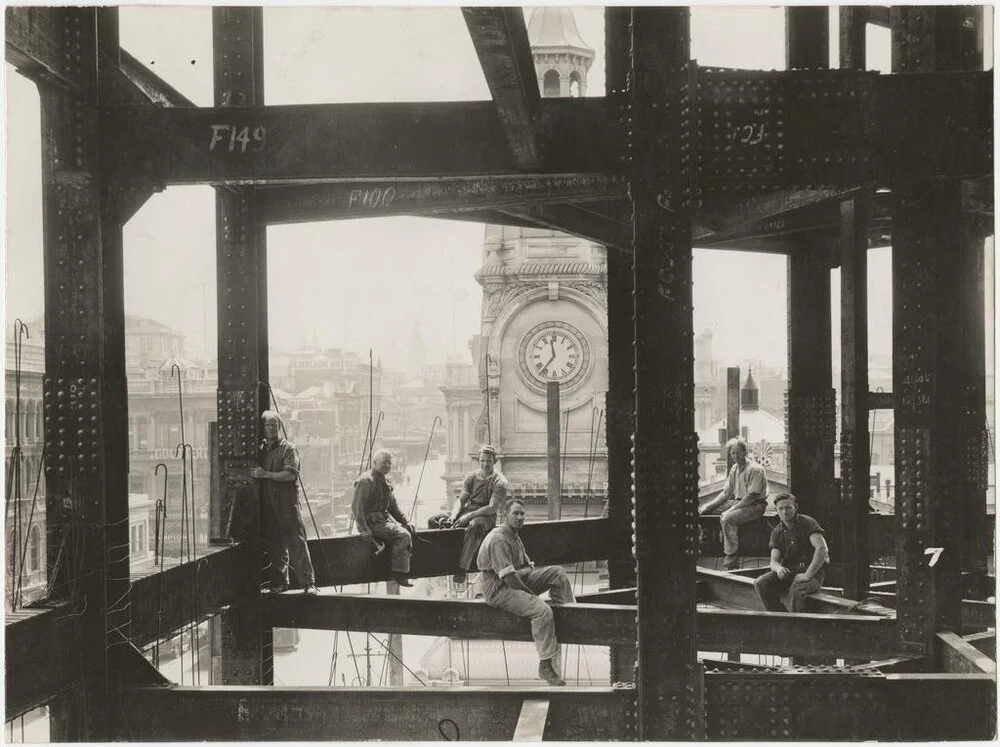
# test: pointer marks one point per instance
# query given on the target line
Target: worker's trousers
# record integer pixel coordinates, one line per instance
(732, 519)
(393, 534)
(550, 578)
(286, 539)
(475, 533)
(769, 588)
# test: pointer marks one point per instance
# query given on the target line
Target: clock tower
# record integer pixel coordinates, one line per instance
(544, 318)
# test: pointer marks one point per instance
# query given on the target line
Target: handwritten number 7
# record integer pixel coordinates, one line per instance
(935, 553)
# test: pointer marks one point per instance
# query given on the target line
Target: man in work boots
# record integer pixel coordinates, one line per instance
(511, 582)
(744, 496)
(378, 516)
(483, 492)
(286, 534)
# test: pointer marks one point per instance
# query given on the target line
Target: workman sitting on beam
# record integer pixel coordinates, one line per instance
(511, 582)
(798, 558)
(483, 492)
(378, 517)
(744, 497)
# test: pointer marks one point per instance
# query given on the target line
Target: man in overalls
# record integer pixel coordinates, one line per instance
(483, 492)
(378, 516)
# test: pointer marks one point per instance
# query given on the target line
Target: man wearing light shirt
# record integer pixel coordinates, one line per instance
(745, 496)
(510, 582)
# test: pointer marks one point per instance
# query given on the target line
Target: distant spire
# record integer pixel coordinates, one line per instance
(750, 394)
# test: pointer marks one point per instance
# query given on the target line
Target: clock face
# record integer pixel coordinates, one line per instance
(554, 351)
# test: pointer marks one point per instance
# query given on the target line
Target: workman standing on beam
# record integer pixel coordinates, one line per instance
(511, 582)
(377, 515)
(286, 534)
(483, 493)
(798, 558)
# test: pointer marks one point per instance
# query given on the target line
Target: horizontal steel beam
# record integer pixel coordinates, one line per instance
(881, 401)
(975, 614)
(183, 714)
(732, 590)
(349, 560)
(330, 142)
(573, 220)
(838, 130)
(952, 653)
(41, 656)
(593, 624)
(828, 706)
(785, 634)
(370, 199)
(164, 602)
(985, 643)
(612, 596)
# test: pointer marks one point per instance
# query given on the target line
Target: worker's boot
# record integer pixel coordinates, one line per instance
(548, 673)
(401, 579)
(731, 563)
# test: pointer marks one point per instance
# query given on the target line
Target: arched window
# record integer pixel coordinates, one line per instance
(29, 420)
(575, 89)
(550, 83)
(34, 559)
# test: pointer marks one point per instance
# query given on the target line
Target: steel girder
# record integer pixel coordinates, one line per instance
(665, 467)
(363, 714)
(830, 706)
(501, 41)
(785, 634)
(952, 653)
(594, 624)
(591, 624)
(163, 602)
(760, 131)
(40, 656)
(738, 706)
(370, 199)
(349, 560)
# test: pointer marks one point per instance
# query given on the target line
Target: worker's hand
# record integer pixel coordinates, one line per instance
(257, 473)
(801, 577)
(460, 522)
(366, 533)
(411, 529)
(783, 572)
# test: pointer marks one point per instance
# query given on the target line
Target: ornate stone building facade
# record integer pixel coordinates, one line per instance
(543, 318)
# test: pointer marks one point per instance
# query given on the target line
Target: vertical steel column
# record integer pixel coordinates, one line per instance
(241, 278)
(853, 32)
(811, 408)
(936, 418)
(620, 400)
(854, 439)
(807, 36)
(670, 680)
(552, 450)
(85, 390)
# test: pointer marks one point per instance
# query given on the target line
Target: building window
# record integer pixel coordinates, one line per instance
(34, 550)
(574, 85)
(550, 83)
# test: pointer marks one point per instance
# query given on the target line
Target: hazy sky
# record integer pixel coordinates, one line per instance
(363, 283)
